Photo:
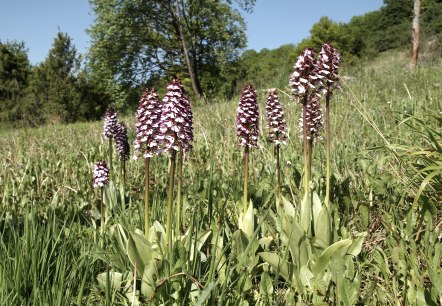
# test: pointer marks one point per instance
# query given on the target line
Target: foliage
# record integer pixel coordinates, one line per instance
(14, 77)
(133, 42)
(372, 33)
(56, 90)
(385, 147)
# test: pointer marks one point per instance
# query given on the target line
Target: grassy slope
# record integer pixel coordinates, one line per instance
(48, 172)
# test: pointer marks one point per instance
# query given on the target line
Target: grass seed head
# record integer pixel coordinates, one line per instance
(101, 174)
(276, 124)
(122, 142)
(110, 123)
(147, 125)
(247, 118)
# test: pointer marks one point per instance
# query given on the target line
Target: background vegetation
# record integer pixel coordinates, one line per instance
(123, 60)
(385, 199)
(387, 147)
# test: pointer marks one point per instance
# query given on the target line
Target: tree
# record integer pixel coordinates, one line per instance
(134, 40)
(14, 75)
(417, 5)
(53, 85)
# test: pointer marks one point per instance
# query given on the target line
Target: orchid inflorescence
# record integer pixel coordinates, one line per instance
(314, 119)
(305, 77)
(247, 118)
(176, 122)
(110, 123)
(101, 174)
(122, 142)
(147, 125)
(328, 68)
(311, 78)
(276, 124)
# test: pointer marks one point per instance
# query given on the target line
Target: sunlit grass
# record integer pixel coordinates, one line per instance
(50, 212)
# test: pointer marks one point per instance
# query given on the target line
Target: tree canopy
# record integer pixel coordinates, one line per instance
(134, 40)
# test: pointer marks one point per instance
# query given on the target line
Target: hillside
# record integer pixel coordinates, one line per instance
(386, 191)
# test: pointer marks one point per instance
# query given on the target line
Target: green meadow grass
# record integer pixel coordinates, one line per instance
(386, 127)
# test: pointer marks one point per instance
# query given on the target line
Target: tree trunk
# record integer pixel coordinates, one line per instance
(417, 5)
(180, 33)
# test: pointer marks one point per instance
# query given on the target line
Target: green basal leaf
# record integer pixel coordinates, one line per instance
(139, 250)
(205, 294)
(240, 241)
(150, 277)
(295, 239)
(280, 266)
(316, 207)
(323, 226)
(288, 207)
(306, 276)
(305, 213)
(322, 262)
(356, 246)
(246, 222)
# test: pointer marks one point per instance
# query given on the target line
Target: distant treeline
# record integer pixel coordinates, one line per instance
(66, 87)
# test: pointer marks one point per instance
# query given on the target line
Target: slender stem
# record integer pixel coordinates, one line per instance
(102, 216)
(328, 144)
(278, 169)
(170, 197)
(110, 153)
(309, 157)
(121, 170)
(178, 201)
(246, 178)
(146, 195)
(124, 172)
(304, 134)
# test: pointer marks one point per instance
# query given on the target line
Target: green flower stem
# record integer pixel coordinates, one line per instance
(102, 216)
(328, 153)
(170, 198)
(304, 134)
(278, 169)
(110, 153)
(246, 178)
(178, 201)
(309, 158)
(124, 171)
(146, 195)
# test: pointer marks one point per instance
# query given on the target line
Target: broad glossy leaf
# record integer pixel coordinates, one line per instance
(277, 264)
(150, 277)
(139, 249)
(305, 213)
(306, 276)
(323, 226)
(246, 222)
(296, 241)
(322, 262)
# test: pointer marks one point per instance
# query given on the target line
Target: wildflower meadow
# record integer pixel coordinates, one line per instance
(321, 188)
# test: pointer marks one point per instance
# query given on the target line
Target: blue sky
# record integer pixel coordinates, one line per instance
(272, 23)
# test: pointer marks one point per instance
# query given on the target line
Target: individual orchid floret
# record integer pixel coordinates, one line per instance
(276, 124)
(247, 118)
(304, 79)
(176, 130)
(122, 142)
(147, 124)
(314, 118)
(101, 174)
(328, 68)
(110, 123)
